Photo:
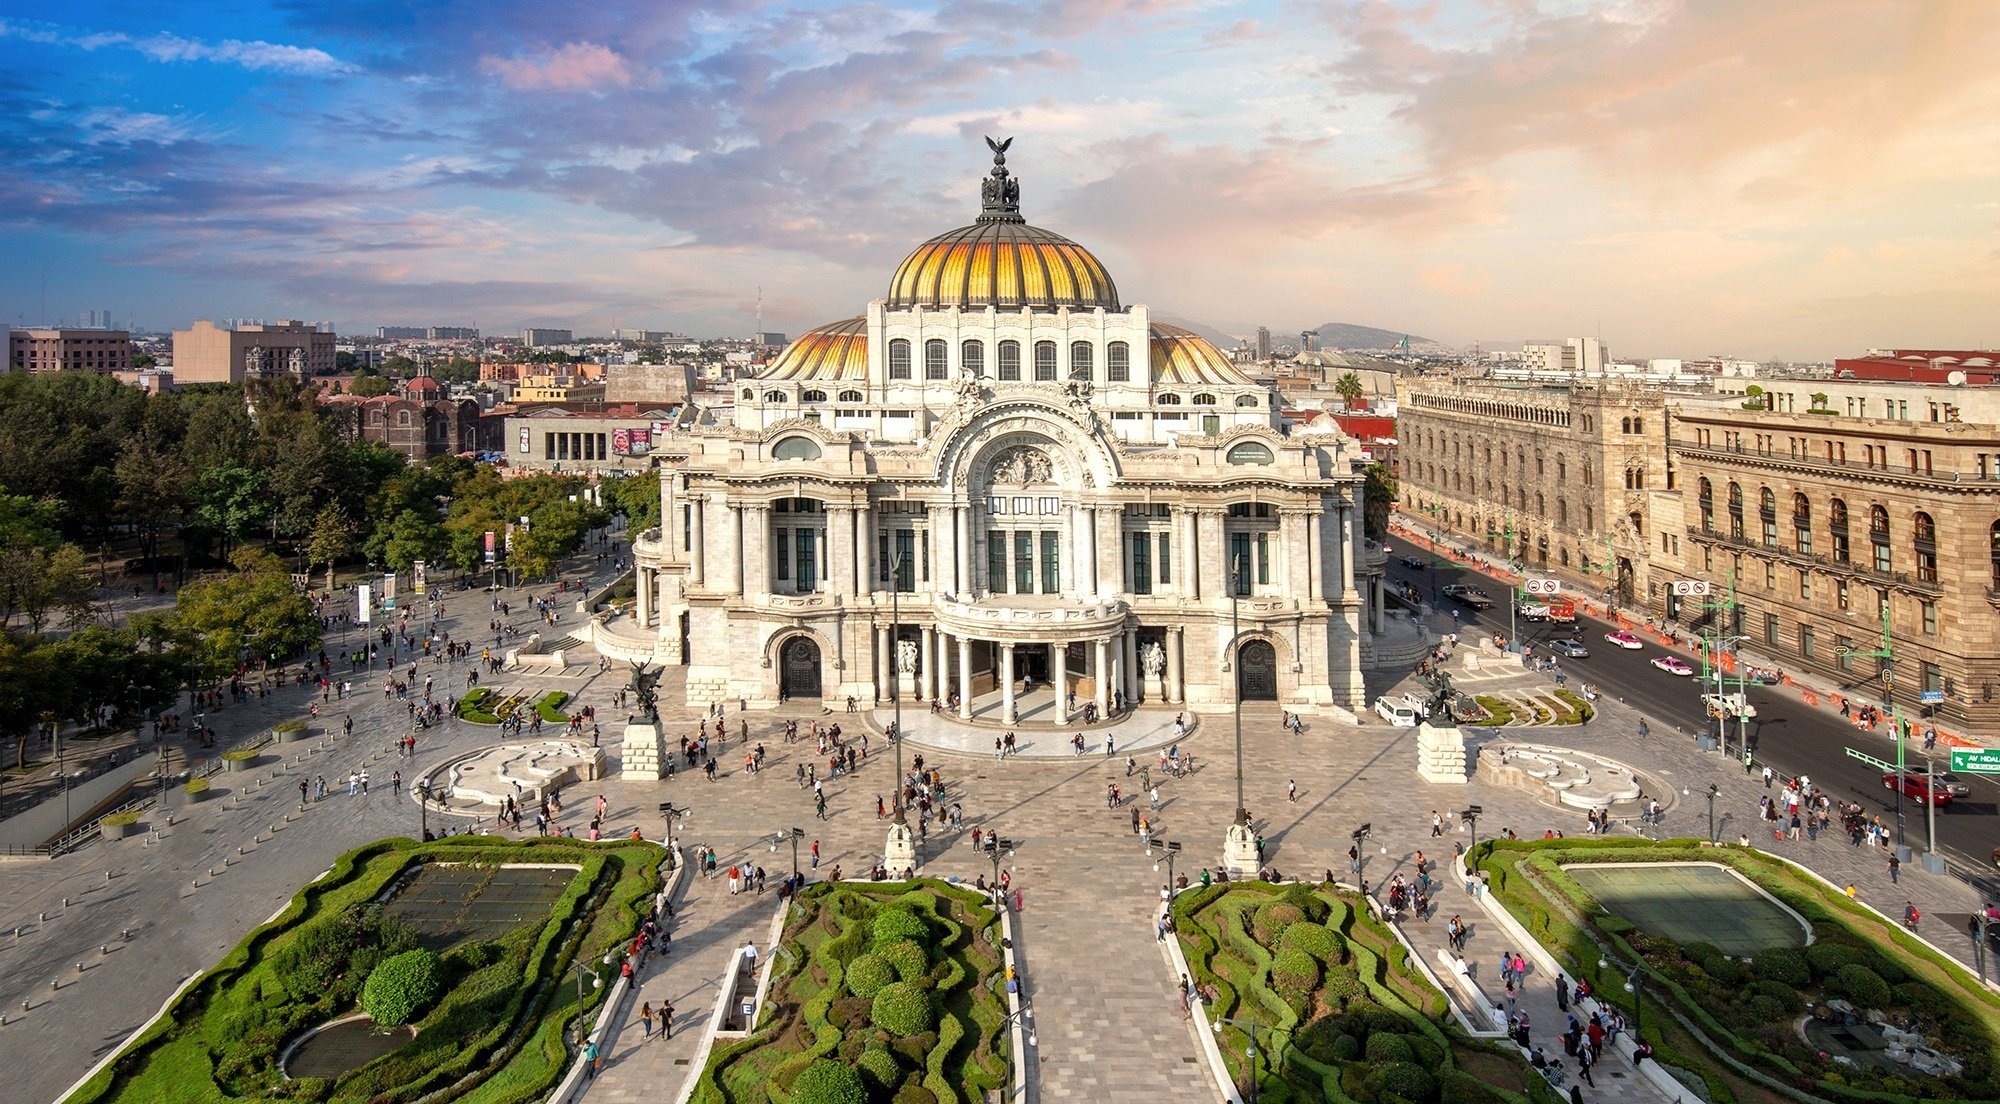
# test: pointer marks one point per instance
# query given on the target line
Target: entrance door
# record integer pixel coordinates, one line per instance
(1257, 671)
(798, 663)
(1031, 661)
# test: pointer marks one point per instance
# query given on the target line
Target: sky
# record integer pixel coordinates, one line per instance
(1795, 179)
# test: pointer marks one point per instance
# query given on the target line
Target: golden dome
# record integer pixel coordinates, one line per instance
(1000, 261)
(836, 351)
(1185, 357)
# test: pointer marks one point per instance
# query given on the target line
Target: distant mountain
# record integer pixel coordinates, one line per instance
(1346, 335)
(1222, 340)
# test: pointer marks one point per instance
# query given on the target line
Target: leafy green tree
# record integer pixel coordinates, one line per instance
(60, 434)
(229, 501)
(414, 535)
(399, 365)
(345, 362)
(1350, 389)
(1378, 494)
(26, 681)
(254, 613)
(152, 489)
(331, 538)
(369, 386)
(638, 498)
(40, 583)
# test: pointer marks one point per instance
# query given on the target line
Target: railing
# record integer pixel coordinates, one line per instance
(1823, 464)
(1846, 567)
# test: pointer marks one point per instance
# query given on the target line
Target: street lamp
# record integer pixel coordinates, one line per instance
(1251, 1028)
(995, 845)
(1026, 1016)
(423, 789)
(1471, 818)
(672, 812)
(795, 835)
(1887, 654)
(1977, 929)
(582, 970)
(1172, 849)
(1360, 838)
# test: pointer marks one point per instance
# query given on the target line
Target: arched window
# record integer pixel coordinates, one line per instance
(1169, 400)
(1638, 522)
(1204, 399)
(972, 358)
(749, 395)
(1079, 360)
(1802, 523)
(774, 396)
(1246, 400)
(1993, 552)
(1878, 535)
(1705, 496)
(1767, 517)
(1010, 360)
(1250, 452)
(1539, 510)
(1045, 360)
(812, 396)
(1923, 540)
(1118, 362)
(1638, 425)
(1562, 470)
(1836, 528)
(1735, 511)
(936, 357)
(1624, 425)
(1562, 512)
(402, 417)
(850, 396)
(899, 358)
(796, 448)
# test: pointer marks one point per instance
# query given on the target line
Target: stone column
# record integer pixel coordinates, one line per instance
(1314, 561)
(756, 547)
(1106, 550)
(1190, 553)
(732, 550)
(943, 680)
(1007, 712)
(883, 671)
(1346, 550)
(1379, 588)
(1059, 655)
(840, 556)
(697, 538)
(1135, 683)
(1101, 671)
(964, 678)
(927, 650)
(1212, 549)
(1174, 665)
(644, 577)
(962, 547)
(1086, 568)
(864, 551)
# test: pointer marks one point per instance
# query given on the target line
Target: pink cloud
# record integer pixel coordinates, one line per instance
(1456, 279)
(573, 67)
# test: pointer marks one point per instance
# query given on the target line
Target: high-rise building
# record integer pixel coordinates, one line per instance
(453, 333)
(770, 337)
(207, 353)
(1263, 343)
(1572, 356)
(538, 338)
(400, 333)
(62, 349)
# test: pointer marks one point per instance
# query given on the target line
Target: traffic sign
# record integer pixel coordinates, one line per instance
(1543, 586)
(1931, 697)
(1690, 588)
(1976, 760)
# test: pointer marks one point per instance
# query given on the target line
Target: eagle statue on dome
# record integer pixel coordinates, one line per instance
(999, 149)
(999, 195)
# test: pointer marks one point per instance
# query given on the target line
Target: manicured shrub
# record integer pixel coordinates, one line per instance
(1782, 965)
(913, 1093)
(1294, 970)
(906, 958)
(1310, 904)
(1459, 1087)
(1312, 939)
(903, 1008)
(333, 954)
(1346, 1048)
(1387, 1046)
(828, 1082)
(879, 1068)
(1269, 920)
(867, 974)
(1861, 985)
(893, 924)
(1923, 1000)
(401, 987)
(1317, 1038)
(1403, 1079)
(1341, 986)
(1826, 959)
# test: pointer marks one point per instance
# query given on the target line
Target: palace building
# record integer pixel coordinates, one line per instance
(999, 479)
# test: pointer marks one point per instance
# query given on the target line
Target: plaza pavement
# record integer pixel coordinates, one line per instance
(1107, 1017)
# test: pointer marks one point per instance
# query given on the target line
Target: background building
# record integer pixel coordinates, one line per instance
(400, 333)
(207, 353)
(539, 338)
(41, 349)
(452, 333)
(588, 438)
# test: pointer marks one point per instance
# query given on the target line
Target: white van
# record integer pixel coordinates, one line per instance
(1398, 713)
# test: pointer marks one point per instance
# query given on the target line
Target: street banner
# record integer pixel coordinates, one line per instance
(361, 602)
(510, 538)
(489, 546)
(389, 591)
(524, 438)
(417, 576)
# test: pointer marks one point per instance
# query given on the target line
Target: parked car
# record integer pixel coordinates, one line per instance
(1624, 639)
(1397, 713)
(1917, 788)
(1673, 665)
(1469, 595)
(1572, 648)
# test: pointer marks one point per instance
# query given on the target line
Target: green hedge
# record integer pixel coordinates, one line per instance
(549, 708)
(401, 986)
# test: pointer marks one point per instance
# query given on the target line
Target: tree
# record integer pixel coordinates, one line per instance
(345, 362)
(152, 488)
(638, 498)
(369, 386)
(331, 538)
(39, 583)
(399, 365)
(254, 614)
(142, 361)
(412, 536)
(25, 685)
(230, 500)
(1349, 388)
(1378, 495)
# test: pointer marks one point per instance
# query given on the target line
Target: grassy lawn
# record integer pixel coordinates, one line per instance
(1352, 1022)
(493, 1035)
(893, 987)
(1749, 1003)
(549, 708)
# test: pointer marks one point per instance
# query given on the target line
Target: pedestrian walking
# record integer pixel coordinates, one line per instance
(815, 853)
(1437, 824)
(646, 1018)
(1911, 915)
(1292, 790)
(666, 1019)
(1562, 992)
(1895, 868)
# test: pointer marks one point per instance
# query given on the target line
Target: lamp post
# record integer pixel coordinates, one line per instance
(1471, 816)
(1633, 986)
(1887, 655)
(1714, 791)
(795, 835)
(899, 852)
(1171, 850)
(1250, 1028)
(995, 845)
(424, 810)
(672, 812)
(582, 970)
(1977, 929)
(1360, 838)
(1239, 842)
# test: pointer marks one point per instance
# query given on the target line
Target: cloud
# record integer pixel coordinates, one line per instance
(1456, 280)
(257, 56)
(572, 67)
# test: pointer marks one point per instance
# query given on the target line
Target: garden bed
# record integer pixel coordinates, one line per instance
(1750, 1006)
(1351, 1021)
(481, 705)
(881, 992)
(489, 1014)
(549, 708)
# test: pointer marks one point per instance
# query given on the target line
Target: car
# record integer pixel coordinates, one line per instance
(1917, 788)
(1953, 784)
(1398, 713)
(1728, 705)
(1414, 561)
(1572, 648)
(1674, 665)
(1624, 639)
(1469, 595)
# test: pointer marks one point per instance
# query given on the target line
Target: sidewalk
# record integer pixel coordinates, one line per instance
(1143, 729)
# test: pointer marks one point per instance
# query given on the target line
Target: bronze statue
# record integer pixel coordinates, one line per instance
(645, 687)
(1443, 702)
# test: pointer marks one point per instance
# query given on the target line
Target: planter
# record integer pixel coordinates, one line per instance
(291, 732)
(240, 760)
(119, 825)
(197, 789)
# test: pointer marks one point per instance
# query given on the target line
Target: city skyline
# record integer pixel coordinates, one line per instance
(1785, 179)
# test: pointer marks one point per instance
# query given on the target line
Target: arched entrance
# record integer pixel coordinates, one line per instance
(798, 668)
(1256, 671)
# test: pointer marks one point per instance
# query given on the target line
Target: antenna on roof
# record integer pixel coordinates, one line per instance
(760, 313)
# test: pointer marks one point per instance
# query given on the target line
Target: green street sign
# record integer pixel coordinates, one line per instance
(1976, 760)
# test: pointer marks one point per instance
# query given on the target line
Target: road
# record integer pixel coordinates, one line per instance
(1786, 733)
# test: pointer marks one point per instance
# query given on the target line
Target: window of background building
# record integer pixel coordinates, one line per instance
(1770, 576)
(1805, 584)
(1844, 649)
(972, 356)
(1118, 362)
(1930, 618)
(1841, 594)
(1771, 629)
(1806, 641)
(1045, 360)
(899, 359)
(1079, 360)
(1010, 360)
(936, 358)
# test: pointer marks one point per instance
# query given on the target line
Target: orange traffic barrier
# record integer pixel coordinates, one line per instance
(1812, 698)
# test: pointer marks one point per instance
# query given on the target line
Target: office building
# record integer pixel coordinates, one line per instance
(68, 349)
(207, 353)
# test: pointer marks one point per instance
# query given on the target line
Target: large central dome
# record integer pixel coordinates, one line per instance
(1000, 261)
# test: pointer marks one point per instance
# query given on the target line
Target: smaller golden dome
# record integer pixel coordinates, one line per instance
(1185, 357)
(836, 351)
